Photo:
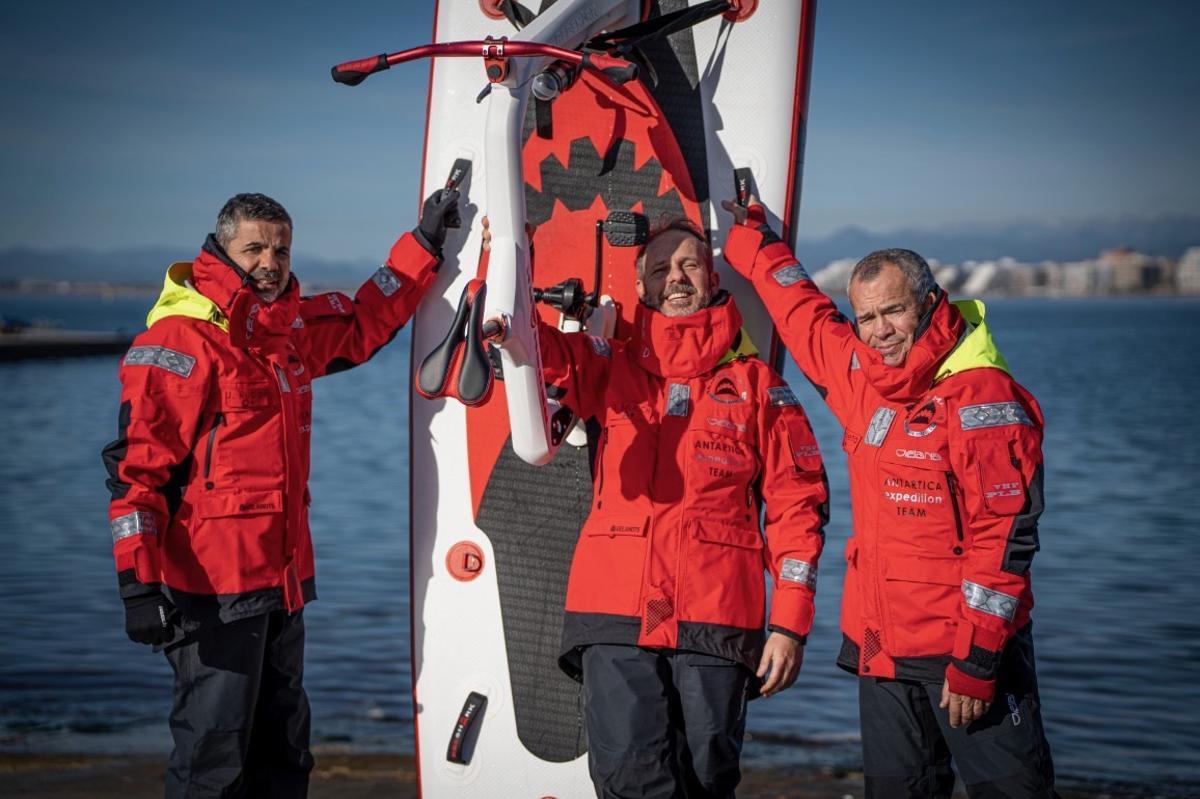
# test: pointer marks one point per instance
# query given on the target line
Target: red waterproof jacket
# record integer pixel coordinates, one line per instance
(209, 471)
(697, 437)
(945, 466)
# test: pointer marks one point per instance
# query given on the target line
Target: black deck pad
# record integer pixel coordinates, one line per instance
(532, 515)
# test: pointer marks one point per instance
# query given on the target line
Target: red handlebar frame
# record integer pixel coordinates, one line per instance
(355, 72)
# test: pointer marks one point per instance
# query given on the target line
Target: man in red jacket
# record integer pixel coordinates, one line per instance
(665, 601)
(209, 474)
(944, 450)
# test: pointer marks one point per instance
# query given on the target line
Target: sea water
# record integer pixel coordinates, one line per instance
(1117, 582)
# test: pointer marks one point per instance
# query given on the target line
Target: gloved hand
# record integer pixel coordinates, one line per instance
(439, 212)
(749, 234)
(149, 618)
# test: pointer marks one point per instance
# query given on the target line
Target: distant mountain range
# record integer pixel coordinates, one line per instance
(1025, 241)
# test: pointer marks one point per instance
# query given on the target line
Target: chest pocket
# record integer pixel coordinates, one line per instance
(626, 457)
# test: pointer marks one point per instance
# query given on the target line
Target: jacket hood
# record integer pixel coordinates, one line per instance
(976, 349)
(685, 346)
(906, 383)
(180, 298)
(215, 289)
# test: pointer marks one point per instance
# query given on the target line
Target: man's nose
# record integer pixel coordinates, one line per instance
(677, 275)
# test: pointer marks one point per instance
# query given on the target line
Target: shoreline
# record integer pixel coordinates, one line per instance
(348, 775)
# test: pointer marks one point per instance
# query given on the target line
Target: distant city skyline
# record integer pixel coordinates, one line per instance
(127, 125)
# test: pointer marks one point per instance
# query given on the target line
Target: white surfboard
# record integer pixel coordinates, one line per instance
(492, 535)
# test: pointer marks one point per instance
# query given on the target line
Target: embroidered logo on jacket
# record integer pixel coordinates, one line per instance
(726, 392)
(920, 422)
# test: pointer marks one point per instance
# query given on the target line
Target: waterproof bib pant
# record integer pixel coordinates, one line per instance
(241, 718)
(1003, 755)
(661, 721)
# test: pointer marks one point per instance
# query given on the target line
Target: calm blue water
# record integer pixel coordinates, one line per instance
(1117, 582)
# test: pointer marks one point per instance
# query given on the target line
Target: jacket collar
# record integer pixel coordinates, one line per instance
(252, 323)
(976, 349)
(935, 339)
(180, 298)
(684, 346)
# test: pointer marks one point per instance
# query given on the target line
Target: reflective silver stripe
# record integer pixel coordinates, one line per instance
(993, 414)
(387, 281)
(679, 397)
(781, 395)
(170, 360)
(283, 381)
(600, 346)
(797, 571)
(881, 422)
(790, 275)
(137, 523)
(985, 600)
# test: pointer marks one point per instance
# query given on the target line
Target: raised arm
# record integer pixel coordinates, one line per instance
(815, 332)
(578, 364)
(340, 333)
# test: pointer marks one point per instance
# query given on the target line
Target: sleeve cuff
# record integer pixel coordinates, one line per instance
(795, 636)
(130, 587)
(975, 687)
(410, 257)
(791, 610)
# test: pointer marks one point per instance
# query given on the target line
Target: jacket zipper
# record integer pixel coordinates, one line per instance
(218, 420)
(953, 491)
(600, 468)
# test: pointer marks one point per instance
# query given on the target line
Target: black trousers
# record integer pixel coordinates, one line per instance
(908, 743)
(663, 724)
(241, 717)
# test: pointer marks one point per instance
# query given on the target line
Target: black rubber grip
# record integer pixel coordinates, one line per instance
(743, 184)
(458, 172)
(353, 73)
(462, 738)
(620, 75)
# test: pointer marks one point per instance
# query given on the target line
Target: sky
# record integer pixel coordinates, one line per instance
(128, 124)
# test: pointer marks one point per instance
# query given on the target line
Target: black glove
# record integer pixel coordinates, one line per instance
(439, 213)
(149, 618)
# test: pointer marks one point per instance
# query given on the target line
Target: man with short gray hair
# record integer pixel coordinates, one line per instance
(945, 455)
(209, 483)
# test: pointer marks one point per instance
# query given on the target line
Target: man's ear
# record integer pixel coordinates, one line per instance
(640, 287)
(930, 300)
(714, 280)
